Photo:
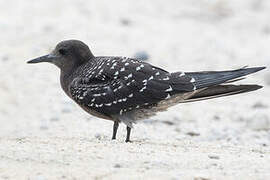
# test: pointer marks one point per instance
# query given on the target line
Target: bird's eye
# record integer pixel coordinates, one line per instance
(62, 51)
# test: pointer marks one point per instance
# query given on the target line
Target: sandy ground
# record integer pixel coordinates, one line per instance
(44, 135)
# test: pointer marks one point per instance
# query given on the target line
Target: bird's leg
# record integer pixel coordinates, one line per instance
(128, 134)
(115, 127)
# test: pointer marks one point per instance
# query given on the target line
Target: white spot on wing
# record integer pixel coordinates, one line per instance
(166, 78)
(192, 80)
(80, 97)
(129, 76)
(182, 74)
(120, 87)
(141, 90)
(99, 105)
(151, 77)
(169, 89)
(100, 71)
(168, 96)
(84, 93)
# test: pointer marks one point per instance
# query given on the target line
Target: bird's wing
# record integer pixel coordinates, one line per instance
(117, 85)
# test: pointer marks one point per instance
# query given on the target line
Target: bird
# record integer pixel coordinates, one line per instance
(127, 90)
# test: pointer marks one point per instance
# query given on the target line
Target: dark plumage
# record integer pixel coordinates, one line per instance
(126, 90)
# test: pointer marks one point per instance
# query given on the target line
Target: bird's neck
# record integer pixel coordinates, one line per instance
(68, 73)
(65, 80)
(66, 77)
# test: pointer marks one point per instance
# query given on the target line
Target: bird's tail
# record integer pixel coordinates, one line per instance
(213, 84)
(221, 91)
(213, 78)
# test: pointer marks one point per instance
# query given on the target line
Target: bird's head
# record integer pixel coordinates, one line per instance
(67, 54)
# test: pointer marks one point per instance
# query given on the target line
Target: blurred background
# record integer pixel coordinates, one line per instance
(177, 35)
(186, 35)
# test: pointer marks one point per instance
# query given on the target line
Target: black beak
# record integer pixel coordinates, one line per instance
(47, 58)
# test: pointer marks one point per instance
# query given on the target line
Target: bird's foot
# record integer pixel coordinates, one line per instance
(128, 141)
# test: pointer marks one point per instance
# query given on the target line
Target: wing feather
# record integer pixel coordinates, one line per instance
(116, 85)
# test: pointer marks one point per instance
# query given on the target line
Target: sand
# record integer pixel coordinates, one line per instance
(44, 135)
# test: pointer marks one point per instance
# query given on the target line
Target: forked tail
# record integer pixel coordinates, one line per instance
(213, 84)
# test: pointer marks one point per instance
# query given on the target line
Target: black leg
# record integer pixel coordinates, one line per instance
(115, 127)
(128, 134)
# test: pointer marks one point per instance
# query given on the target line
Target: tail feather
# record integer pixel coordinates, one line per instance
(221, 91)
(213, 78)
